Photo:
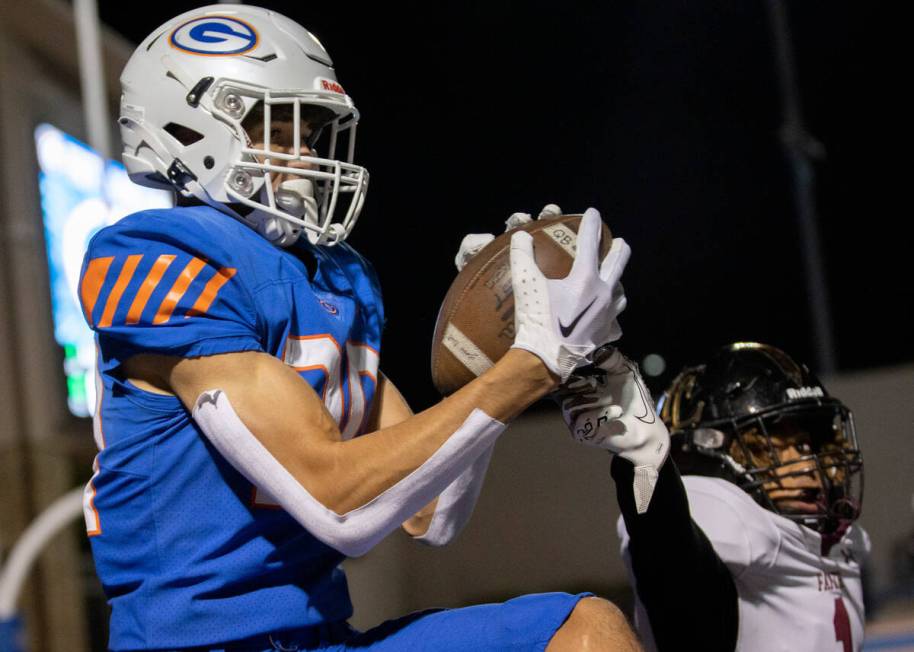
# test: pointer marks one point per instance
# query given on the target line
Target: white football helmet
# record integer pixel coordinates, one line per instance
(189, 86)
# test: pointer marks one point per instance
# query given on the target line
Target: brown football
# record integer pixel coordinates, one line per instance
(475, 325)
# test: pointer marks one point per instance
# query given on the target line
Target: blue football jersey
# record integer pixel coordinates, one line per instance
(188, 551)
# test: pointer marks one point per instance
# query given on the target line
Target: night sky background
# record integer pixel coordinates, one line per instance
(665, 116)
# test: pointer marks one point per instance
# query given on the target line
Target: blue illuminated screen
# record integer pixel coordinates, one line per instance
(81, 192)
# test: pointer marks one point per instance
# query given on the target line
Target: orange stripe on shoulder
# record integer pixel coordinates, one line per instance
(185, 278)
(148, 286)
(92, 283)
(206, 298)
(120, 285)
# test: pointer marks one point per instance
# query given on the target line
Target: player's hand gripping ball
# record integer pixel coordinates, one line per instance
(475, 325)
(607, 405)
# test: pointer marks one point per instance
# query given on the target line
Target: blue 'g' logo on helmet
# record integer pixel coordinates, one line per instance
(214, 35)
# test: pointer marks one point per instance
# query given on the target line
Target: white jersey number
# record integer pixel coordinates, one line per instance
(324, 354)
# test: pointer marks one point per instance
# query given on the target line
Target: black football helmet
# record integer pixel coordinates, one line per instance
(754, 416)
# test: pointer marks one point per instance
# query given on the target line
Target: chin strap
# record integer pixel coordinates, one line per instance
(280, 232)
(295, 197)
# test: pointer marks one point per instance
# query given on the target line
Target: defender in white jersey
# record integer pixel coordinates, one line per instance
(791, 596)
(755, 548)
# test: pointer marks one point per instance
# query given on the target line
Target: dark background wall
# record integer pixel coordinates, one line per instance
(665, 116)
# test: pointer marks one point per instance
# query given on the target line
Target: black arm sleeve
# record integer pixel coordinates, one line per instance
(688, 592)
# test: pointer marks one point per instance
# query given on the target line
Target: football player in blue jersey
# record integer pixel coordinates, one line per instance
(247, 440)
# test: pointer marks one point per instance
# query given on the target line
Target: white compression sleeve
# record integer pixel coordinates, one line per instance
(357, 531)
(456, 503)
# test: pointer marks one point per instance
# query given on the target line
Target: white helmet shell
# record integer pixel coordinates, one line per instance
(188, 87)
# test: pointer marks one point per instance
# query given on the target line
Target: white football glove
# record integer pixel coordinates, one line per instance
(562, 321)
(519, 219)
(611, 408)
(473, 243)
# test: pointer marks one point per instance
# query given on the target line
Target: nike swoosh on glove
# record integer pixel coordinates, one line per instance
(610, 407)
(563, 321)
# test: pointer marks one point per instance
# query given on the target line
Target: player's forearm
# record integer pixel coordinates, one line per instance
(271, 425)
(390, 408)
(366, 466)
(672, 559)
(456, 504)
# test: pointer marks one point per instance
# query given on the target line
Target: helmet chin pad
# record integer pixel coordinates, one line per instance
(294, 197)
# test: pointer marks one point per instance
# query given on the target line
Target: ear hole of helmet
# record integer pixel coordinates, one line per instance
(184, 135)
